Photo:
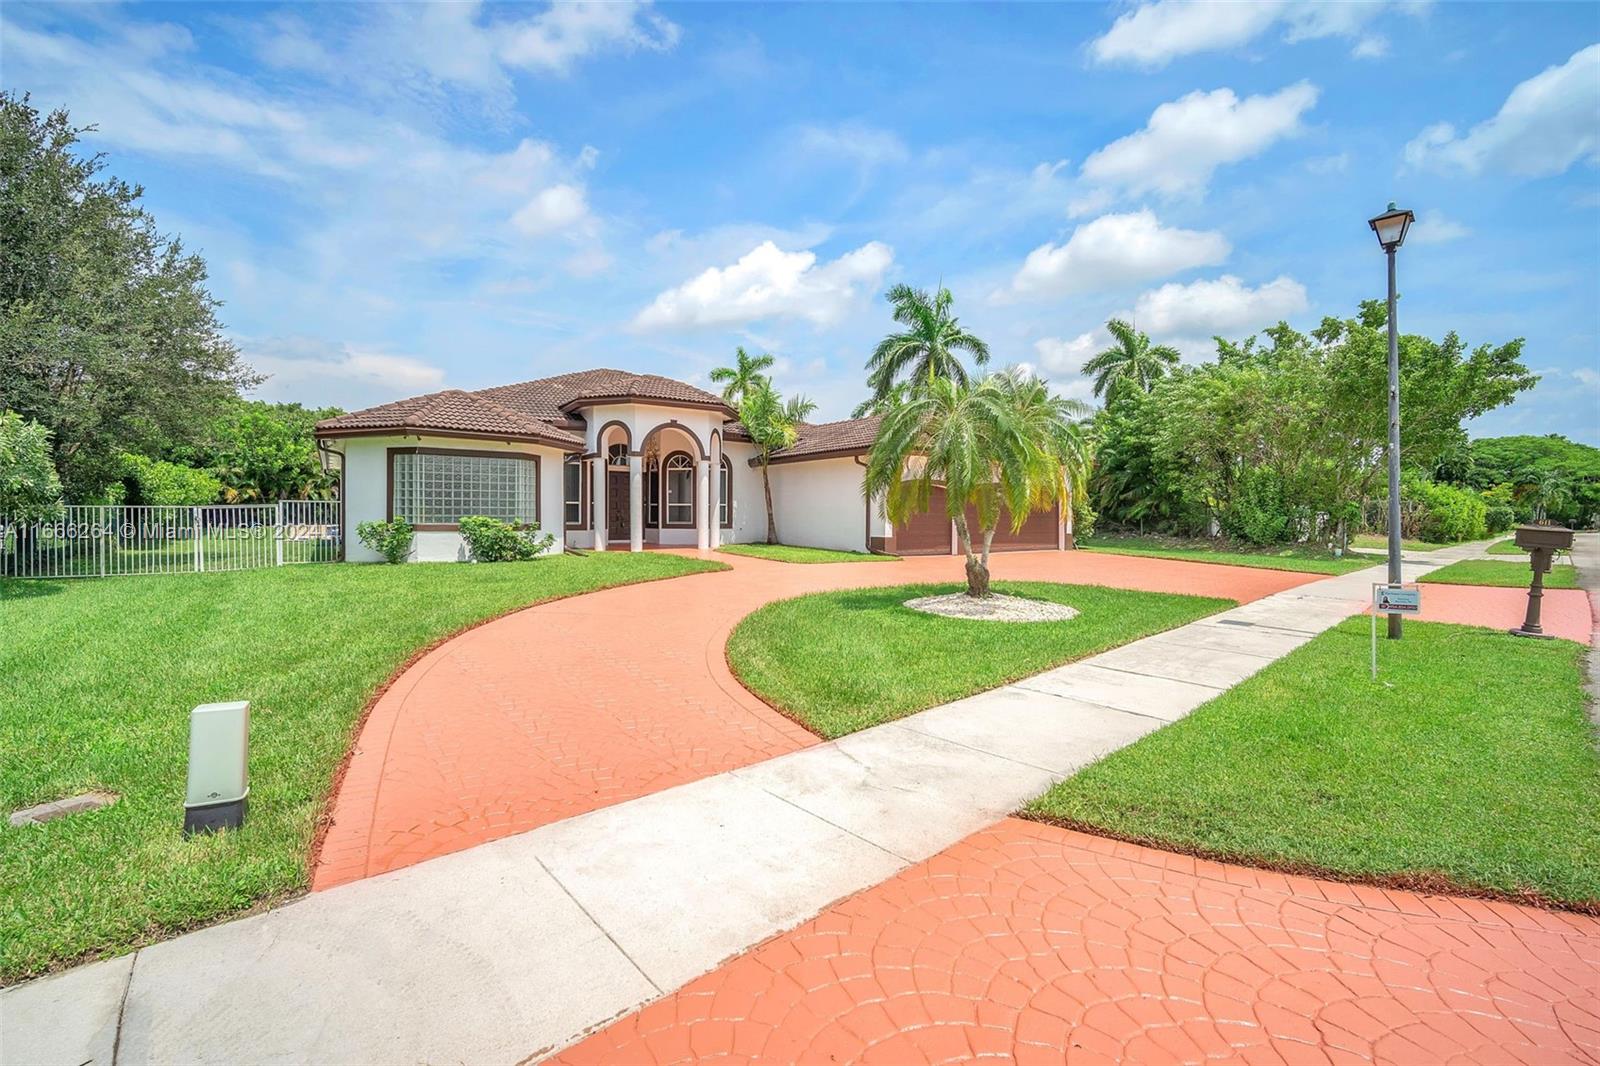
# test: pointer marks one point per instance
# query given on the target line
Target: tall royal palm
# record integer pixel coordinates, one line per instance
(772, 424)
(740, 379)
(1000, 444)
(928, 348)
(1131, 362)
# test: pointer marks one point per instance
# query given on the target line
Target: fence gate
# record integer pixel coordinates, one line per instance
(106, 541)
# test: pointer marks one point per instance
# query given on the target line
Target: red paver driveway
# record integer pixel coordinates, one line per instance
(1564, 612)
(1029, 943)
(589, 701)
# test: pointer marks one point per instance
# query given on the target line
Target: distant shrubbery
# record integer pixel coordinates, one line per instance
(1441, 514)
(157, 482)
(493, 541)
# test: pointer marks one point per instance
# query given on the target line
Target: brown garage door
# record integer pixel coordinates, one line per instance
(927, 533)
(1039, 531)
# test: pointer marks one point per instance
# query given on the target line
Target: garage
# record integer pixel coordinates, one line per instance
(927, 533)
(1037, 533)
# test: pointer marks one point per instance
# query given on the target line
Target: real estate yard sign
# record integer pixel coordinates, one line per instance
(1392, 599)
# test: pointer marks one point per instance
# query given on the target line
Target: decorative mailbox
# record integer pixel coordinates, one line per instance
(1541, 543)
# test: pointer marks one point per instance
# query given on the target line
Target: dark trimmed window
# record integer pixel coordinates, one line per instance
(725, 495)
(433, 488)
(573, 491)
(677, 477)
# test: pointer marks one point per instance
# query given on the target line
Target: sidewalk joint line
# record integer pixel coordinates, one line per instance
(603, 930)
(1164, 677)
(904, 724)
(122, 1007)
(848, 832)
(1023, 684)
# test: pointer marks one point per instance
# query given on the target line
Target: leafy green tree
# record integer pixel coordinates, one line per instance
(772, 425)
(1522, 462)
(108, 336)
(929, 348)
(1002, 443)
(30, 491)
(156, 482)
(738, 380)
(263, 452)
(1131, 362)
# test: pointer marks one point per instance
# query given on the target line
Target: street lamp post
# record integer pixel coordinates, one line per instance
(1391, 229)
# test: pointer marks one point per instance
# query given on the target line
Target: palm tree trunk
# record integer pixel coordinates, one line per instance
(766, 485)
(977, 568)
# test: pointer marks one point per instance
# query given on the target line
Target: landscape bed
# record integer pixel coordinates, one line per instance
(101, 675)
(841, 661)
(1297, 557)
(1469, 765)
(791, 553)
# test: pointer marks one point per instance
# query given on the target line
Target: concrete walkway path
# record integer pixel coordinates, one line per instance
(1586, 558)
(518, 947)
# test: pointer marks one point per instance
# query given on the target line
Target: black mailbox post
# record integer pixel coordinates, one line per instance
(1541, 543)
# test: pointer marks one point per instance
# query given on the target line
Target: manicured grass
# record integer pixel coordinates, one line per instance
(1469, 760)
(791, 553)
(1501, 575)
(1304, 558)
(1506, 547)
(100, 675)
(841, 661)
(1381, 543)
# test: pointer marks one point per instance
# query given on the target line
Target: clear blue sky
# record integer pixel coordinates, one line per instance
(398, 198)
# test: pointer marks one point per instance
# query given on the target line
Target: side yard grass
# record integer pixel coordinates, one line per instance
(1469, 764)
(1380, 542)
(841, 661)
(1505, 547)
(1501, 575)
(1307, 559)
(792, 553)
(100, 675)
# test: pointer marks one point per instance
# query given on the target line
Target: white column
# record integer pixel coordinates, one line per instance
(635, 503)
(703, 498)
(598, 501)
(716, 494)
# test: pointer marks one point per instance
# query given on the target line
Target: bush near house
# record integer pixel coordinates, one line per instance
(156, 482)
(493, 541)
(392, 540)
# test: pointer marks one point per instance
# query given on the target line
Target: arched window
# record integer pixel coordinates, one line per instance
(677, 478)
(725, 495)
(617, 455)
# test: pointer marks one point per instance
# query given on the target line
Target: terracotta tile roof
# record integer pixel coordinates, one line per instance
(538, 410)
(852, 436)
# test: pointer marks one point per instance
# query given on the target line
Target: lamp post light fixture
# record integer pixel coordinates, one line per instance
(1390, 228)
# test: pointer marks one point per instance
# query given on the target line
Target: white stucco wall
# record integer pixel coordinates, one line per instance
(818, 504)
(366, 490)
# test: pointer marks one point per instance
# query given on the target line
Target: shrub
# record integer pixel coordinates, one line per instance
(29, 487)
(1257, 512)
(1083, 517)
(1500, 517)
(1440, 513)
(493, 541)
(158, 482)
(392, 540)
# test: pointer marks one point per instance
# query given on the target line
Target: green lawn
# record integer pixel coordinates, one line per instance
(790, 553)
(1502, 575)
(1304, 558)
(1381, 542)
(100, 675)
(1469, 762)
(1506, 547)
(841, 661)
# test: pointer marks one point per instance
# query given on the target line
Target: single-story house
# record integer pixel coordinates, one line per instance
(610, 460)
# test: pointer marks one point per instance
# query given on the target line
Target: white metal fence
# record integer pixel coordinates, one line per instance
(103, 541)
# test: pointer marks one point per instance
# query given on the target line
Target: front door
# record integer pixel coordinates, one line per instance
(617, 525)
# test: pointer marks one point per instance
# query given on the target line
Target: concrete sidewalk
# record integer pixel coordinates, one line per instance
(518, 947)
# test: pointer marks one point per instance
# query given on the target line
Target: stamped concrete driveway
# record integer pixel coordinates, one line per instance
(586, 702)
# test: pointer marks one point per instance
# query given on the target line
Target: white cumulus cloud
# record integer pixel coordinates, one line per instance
(768, 282)
(1433, 227)
(1116, 250)
(1187, 139)
(1547, 124)
(1154, 34)
(1225, 306)
(552, 210)
(319, 372)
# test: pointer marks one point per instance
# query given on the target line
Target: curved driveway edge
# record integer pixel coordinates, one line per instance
(581, 703)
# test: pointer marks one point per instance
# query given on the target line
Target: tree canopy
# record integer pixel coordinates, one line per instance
(1132, 362)
(929, 347)
(108, 336)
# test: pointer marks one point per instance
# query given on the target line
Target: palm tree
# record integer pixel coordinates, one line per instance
(1549, 494)
(928, 348)
(1001, 442)
(1131, 361)
(877, 405)
(739, 379)
(772, 425)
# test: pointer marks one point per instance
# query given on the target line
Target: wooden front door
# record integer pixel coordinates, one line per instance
(617, 524)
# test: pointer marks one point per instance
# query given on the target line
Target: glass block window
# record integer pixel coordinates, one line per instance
(437, 489)
(679, 479)
(725, 494)
(572, 480)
